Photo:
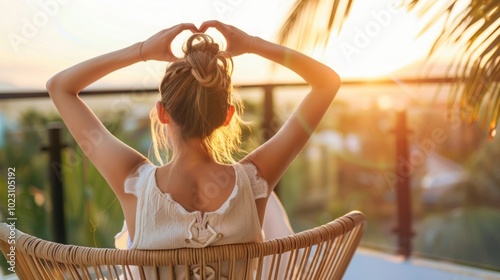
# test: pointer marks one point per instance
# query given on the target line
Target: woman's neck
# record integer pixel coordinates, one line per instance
(190, 151)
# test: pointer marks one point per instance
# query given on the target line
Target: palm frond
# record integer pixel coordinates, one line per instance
(310, 23)
(476, 29)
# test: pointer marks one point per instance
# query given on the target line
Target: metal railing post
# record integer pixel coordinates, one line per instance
(403, 227)
(54, 149)
(268, 118)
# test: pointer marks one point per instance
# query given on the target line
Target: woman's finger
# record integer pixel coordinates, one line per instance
(176, 30)
(211, 23)
(188, 26)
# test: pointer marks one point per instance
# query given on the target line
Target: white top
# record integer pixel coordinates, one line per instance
(162, 223)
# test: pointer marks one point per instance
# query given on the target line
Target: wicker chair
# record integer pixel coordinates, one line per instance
(320, 253)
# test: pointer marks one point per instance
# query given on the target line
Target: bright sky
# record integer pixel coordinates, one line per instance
(42, 37)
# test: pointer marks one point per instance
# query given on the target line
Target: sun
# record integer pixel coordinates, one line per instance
(377, 40)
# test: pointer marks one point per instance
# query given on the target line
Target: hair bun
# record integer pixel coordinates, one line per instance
(211, 66)
(200, 42)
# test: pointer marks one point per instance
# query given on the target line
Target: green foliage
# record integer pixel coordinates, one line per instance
(485, 175)
(22, 151)
(89, 202)
(474, 28)
(467, 235)
(92, 214)
(317, 29)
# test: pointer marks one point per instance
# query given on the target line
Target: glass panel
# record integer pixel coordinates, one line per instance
(349, 163)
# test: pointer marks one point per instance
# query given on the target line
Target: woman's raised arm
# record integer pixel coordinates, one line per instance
(114, 159)
(273, 157)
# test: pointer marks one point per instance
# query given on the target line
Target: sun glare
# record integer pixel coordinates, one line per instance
(378, 39)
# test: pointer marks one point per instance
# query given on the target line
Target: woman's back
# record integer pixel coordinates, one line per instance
(162, 222)
(198, 186)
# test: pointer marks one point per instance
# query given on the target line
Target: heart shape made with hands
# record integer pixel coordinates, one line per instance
(158, 46)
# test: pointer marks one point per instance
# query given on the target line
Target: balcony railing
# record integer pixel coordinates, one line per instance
(380, 172)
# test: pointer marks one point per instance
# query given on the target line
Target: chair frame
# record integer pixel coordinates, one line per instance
(323, 252)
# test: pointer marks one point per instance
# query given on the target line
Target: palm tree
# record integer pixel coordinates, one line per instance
(473, 28)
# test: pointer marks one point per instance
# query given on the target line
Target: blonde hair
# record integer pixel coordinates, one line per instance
(196, 91)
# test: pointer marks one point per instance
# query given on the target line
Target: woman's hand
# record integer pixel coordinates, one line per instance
(238, 42)
(157, 47)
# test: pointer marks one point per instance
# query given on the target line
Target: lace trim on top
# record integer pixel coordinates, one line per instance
(132, 182)
(260, 188)
(183, 210)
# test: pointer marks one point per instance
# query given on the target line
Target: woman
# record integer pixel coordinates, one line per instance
(198, 198)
